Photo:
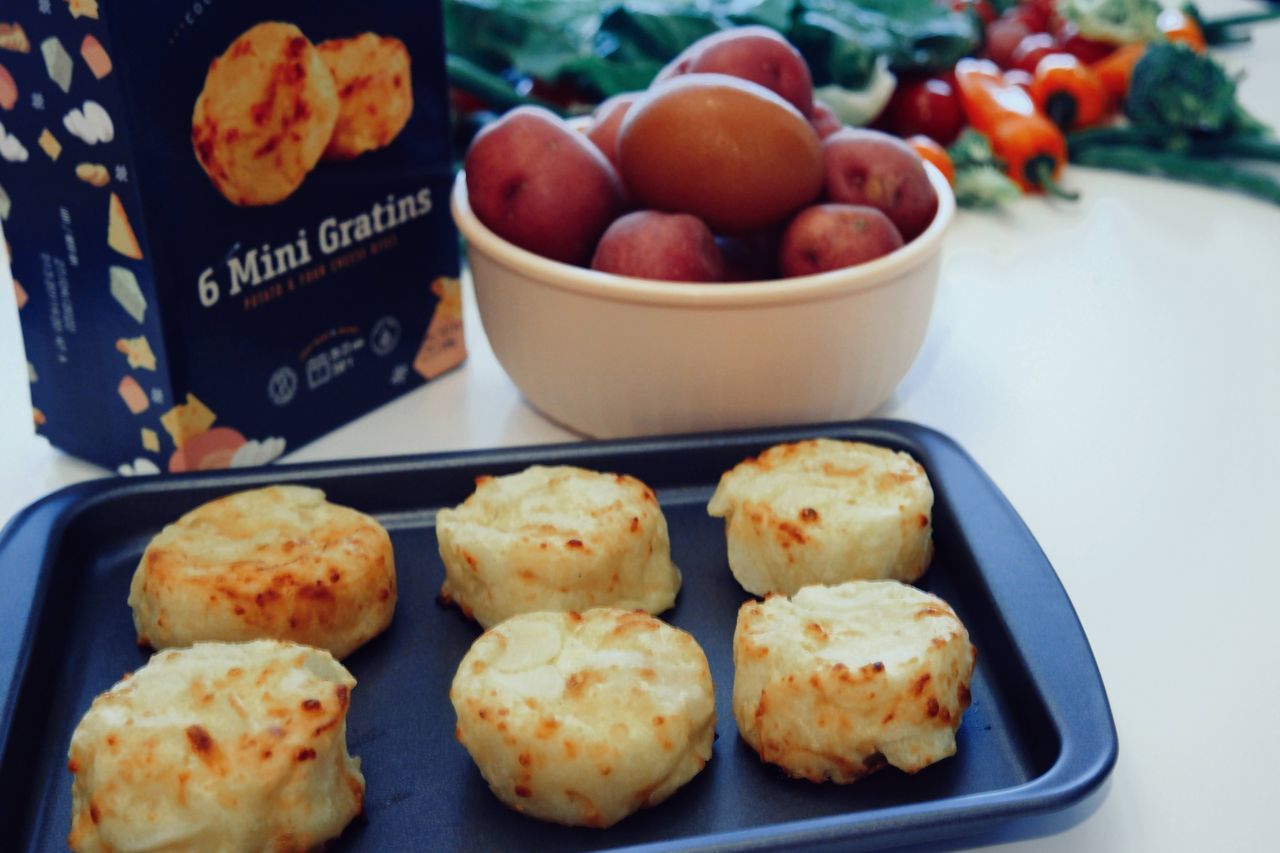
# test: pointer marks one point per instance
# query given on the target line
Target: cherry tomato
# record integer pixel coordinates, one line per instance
(926, 107)
(1003, 35)
(1032, 49)
(1035, 18)
(464, 102)
(1084, 49)
(1039, 14)
(983, 9)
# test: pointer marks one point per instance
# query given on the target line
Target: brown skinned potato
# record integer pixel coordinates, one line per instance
(824, 120)
(729, 151)
(753, 53)
(833, 236)
(541, 185)
(605, 122)
(663, 246)
(873, 168)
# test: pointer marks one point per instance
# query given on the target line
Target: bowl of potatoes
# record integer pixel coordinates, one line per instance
(714, 252)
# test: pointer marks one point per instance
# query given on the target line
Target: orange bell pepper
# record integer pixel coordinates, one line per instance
(1181, 28)
(930, 150)
(1116, 70)
(1068, 92)
(1031, 146)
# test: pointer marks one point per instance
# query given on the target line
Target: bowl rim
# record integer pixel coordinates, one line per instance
(881, 271)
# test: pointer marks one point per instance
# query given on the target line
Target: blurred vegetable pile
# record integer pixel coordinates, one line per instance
(1014, 87)
(584, 50)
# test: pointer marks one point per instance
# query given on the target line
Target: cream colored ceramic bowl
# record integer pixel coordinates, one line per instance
(613, 356)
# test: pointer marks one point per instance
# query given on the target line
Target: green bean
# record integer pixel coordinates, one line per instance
(1213, 173)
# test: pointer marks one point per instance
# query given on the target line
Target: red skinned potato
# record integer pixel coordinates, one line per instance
(753, 53)
(824, 120)
(605, 122)
(541, 185)
(834, 236)
(729, 151)
(875, 169)
(663, 246)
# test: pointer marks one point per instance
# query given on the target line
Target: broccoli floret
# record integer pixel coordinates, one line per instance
(1178, 90)
(1117, 21)
(980, 181)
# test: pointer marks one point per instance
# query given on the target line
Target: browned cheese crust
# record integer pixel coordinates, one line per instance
(375, 92)
(215, 748)
(265, 115)
(278, 562)
(835, 682)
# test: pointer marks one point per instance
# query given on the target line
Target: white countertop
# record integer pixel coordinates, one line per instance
(1114, 365)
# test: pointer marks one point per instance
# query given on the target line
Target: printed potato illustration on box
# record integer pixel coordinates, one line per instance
(224, 260)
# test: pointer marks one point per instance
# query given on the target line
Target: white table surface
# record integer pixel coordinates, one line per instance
(1114, 365)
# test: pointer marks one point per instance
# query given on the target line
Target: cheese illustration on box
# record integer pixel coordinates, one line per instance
(127, 293)
(443, 346)
(49, 144)
(14, 38)
(139, 467)
(138, 351)
(90, 123)
(8, 89)
(241, 207)
(57, 62)
(188, 420)
(83, 8)
(133, 395)
(93, 174)
(12, 150)
(120, 234)
(95, 56)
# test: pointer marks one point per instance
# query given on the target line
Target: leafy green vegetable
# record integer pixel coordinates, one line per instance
(1229, 29)
(980, 179)
(1117, 21)
(604, 48)
(916, 35)
(849, 62)
(1180, 167)
(1185, 124)
(1177, 90)
(857, 107)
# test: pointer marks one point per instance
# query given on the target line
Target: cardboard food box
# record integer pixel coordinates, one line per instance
(228, 221)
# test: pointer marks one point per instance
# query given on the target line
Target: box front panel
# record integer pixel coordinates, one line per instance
(296, 173)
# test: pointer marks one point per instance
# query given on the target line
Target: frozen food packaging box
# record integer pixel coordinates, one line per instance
(227, 220)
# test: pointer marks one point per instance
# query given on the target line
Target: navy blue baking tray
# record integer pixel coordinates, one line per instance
(1033, 751)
